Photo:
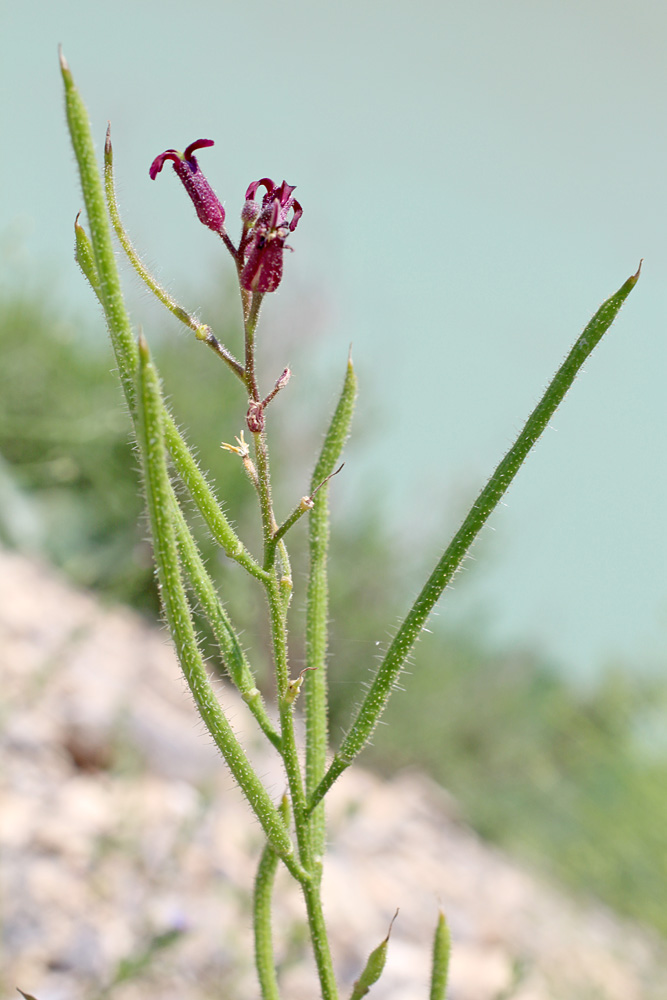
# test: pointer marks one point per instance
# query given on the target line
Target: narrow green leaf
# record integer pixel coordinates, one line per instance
(108, 288)
(385, 679)
(233, 656)
(194, 479)
(317, 607)
(441, 952)
(177, 612)
(339, 429)
(374, 967)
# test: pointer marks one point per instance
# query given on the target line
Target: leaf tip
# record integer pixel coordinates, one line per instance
(144, 352)
(64, 65)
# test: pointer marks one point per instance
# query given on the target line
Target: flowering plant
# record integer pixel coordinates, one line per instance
(295, 828)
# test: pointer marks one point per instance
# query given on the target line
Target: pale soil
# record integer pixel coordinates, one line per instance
(118, 822)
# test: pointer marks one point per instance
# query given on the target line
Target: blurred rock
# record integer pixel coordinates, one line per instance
(119, 823)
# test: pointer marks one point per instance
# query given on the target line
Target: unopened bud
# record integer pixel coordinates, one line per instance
(249, 212)
(208, 207)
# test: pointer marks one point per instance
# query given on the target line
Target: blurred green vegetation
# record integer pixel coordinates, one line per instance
(574, 782)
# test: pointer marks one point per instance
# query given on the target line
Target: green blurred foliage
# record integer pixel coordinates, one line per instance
(576, 783)
(66, 443)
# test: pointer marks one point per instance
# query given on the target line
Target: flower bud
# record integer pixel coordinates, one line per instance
(208, 208)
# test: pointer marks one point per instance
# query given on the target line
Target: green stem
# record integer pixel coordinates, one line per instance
(208, 506)
(408, 633)
(290, 757)
(320, 941)
(177, 612)
(250, 330)
(232, 653)
(262, 900)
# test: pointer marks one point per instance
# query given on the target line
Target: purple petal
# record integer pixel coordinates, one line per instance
(197, 144)
(298, 212)
(158, 162)
(252, 188)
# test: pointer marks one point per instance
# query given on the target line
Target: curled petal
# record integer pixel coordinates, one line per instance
(252, 188)
(197, 144)
(158, 162)
(298, 212)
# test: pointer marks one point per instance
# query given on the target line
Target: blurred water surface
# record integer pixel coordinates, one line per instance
(476, 179)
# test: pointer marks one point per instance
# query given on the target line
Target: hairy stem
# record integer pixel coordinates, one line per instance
(233, 656)
(177, 612)
(262, 903)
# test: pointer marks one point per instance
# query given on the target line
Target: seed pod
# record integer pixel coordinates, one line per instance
(373, 968)
(441, 950)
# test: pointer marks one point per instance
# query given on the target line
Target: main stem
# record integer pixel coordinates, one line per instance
(278, 619)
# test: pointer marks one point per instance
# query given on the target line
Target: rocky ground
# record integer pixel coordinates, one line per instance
(120, 831)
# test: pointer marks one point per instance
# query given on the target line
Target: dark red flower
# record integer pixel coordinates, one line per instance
(263, 254)
(204, 198)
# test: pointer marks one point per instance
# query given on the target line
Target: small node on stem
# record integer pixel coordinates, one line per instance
(255, 414)
(255, 417)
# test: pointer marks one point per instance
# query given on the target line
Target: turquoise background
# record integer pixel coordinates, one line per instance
(476, 178)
